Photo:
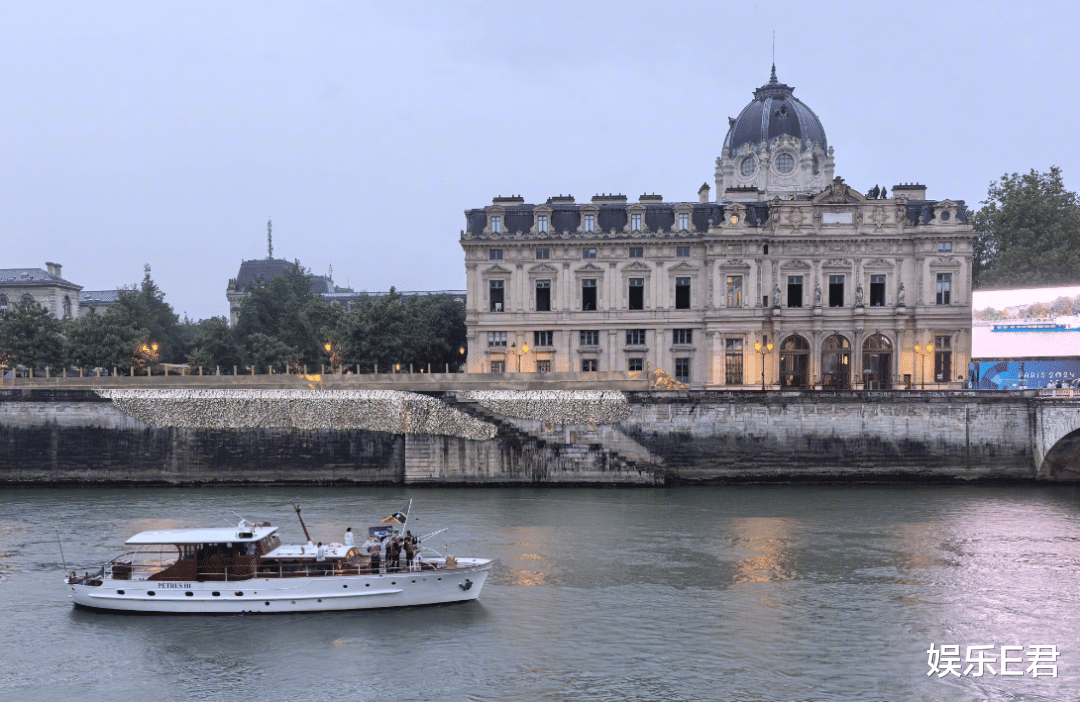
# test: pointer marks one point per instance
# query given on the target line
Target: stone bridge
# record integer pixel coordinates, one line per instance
(1056, 438)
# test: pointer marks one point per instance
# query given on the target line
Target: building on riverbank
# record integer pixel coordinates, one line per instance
(46, 287)
(788, 278)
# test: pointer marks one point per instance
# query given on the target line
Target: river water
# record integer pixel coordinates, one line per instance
(697, 593)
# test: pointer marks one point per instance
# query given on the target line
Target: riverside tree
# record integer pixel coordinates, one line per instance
(30, 336)
(1029, 233)
(214, 345)
(108, 340)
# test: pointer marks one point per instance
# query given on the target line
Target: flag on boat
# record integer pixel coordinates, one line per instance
(395, 518)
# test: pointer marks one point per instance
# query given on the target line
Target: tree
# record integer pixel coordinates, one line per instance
(285, 309)
(30, 336)
(214, 345)
(266, 352)
(110, 340)
(1029, 233)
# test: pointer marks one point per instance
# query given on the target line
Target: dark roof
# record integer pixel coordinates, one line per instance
(104, 297)
(30, 275)
(774, 112)
(567, 218)
(260, 269)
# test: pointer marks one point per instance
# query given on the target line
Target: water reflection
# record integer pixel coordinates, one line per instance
(770, 542)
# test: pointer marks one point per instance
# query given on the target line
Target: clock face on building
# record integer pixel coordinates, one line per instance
(734, 219)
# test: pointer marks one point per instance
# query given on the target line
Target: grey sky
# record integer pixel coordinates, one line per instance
(135, 132)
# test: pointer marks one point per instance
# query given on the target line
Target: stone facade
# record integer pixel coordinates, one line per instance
(46, 287)
(840, 289)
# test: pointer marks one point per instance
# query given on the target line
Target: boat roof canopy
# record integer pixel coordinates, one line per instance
(202, 536)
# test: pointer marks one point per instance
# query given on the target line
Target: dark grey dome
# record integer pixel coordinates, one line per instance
(774, 112)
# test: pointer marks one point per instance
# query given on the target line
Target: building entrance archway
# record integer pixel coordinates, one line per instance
(794, 362)
(836, 363)
(877, 362)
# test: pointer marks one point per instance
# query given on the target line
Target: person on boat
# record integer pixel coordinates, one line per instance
(320, 559)
(410, 549)
(350, 540)
(372, 545)
(393, 554)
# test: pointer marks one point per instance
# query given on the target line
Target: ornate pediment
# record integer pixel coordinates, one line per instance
(837, 263)
(496, 270)
(839, 192)
(683, 267)
(589, 268)
(636, 267)
(877, 263)
(734, 263)
(792, 265)
(543, 269)
(945, 263)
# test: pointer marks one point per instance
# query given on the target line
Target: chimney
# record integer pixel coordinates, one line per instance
(561, 200)
(651, 198)
(912, 191)
(610, 198)
(510, 200)
(54, 269)
(703, 193)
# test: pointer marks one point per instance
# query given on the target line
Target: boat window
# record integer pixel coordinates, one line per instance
(119, 592)
(151, 593)
(216, 594)
(190, 594)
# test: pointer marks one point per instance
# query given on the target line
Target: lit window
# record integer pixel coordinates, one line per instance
(734, 291)
(588, 253)
(590, 338)
(637, 252)
(684, 222)
(590, 223)
(682, 336)
(497, 338)
(733, 361)
(635, 222)
(498, 366)
(734, 249)
(682, 251)
(496, 224)
(541, 223)
(495, 254)
(943, 358)
(785, 163)
(543, 254)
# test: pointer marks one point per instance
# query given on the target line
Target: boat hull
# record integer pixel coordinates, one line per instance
(296, 594)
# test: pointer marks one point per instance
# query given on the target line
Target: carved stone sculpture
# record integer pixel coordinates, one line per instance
(817, 295)
(859, 296)
(900, 294)
(776, 295)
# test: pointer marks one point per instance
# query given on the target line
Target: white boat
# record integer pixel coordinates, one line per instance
(247, 569)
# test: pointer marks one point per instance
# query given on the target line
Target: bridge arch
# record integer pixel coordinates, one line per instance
(1057, 439)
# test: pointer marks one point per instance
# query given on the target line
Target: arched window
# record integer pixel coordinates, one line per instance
(794, 362)
(747, 166)
(877, 362)
(3, 303)
(67, 306)
(28, 298)
(836, 363)
(785, 163)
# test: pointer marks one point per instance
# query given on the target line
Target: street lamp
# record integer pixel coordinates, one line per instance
(763, 352)
(524, 350)
(922, 363)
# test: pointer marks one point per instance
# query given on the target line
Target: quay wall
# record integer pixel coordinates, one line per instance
(75, 437)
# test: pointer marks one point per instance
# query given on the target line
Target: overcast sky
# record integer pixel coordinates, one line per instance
(167, 133)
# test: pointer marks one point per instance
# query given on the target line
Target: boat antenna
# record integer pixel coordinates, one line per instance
(407, 510)
(302, 525)
(62, 559)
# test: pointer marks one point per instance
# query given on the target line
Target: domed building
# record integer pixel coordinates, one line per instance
(776, 147)
(788, 278)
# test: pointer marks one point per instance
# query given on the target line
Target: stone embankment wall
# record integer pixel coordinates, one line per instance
(608, 438)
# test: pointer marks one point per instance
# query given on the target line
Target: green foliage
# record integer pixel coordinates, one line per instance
(109, 341)
(284, 309)
(266, 352)
(388, 330)
(213, 345)
(30, 336)
(1029, 233)
(145, 308)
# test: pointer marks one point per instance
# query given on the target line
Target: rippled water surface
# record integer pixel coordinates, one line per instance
(714, 593)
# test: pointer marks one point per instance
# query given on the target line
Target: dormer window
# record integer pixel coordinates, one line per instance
(590, 223)
(541, 223)
(496, 225)
(684, 222)
(635, 222)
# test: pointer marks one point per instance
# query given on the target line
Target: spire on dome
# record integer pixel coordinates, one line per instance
(772, 78)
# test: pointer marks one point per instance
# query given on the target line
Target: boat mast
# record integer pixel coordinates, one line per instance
(302, 525)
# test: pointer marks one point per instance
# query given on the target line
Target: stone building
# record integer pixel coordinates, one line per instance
(47, 287)
(839, 289)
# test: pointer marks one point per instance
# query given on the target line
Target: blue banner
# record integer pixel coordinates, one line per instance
(1019, 375)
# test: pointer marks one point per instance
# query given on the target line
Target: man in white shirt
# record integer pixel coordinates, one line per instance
(350, 540)
(320, 559)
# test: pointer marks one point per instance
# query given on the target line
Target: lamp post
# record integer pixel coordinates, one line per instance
(763, 352)
(462, 352)
(524, 350)
(922, 363)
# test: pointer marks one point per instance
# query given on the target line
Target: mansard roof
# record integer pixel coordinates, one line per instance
(774, 112)
(32, 276)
